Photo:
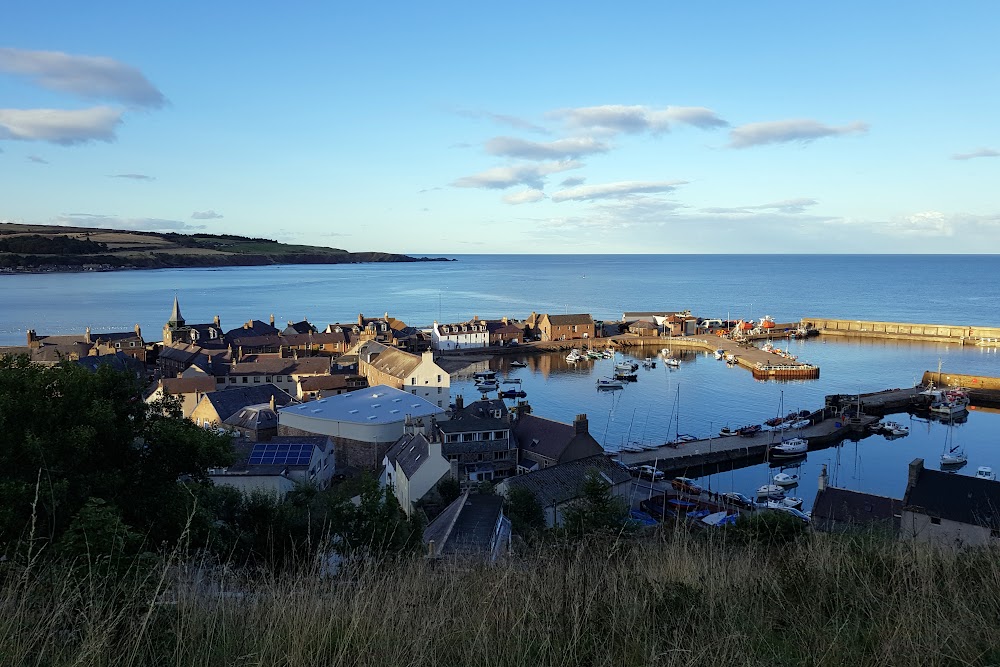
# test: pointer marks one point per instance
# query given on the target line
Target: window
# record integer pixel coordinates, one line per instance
(413, 391)
(131, 344)
(280, 378)
(466, 437)
(439, 404)
(439, 378)
(244, 379)
(413, 380)
(267, 378)
(118, 344)
(232, 380)
(936, 520)
(439, 390)
(256, 379)
(499, 456)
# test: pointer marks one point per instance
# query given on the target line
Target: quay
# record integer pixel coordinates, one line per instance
(938, 333)
(983, 391)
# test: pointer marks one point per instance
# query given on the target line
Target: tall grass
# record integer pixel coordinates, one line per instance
(673, 600)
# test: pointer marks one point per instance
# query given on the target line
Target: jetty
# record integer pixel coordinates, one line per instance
(937, 333)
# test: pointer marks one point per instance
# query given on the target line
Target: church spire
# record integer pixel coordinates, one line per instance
(176, 319)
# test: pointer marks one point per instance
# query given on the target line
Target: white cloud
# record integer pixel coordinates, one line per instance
(524, 197)
(552, 150)
(89, 77)
(783, 131)
(60, 126)
(134, 177)
(115, 222)
(786, 206)
(531, 175)
(205, 215)
(614, 190)
(635, 119)
(979, 152)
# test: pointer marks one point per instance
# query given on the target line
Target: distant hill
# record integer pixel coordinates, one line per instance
(54, 248)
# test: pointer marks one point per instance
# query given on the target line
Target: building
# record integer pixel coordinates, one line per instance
(276, 467)
(462, 336)
(504, 333)
(256, 423)
(412, 467)
(287, 374)
(472, 527)
(218, 406)
(177, 330)
(386, 330)
(663, 323)
(477, 441)
(324, 386)
(544, 442)
(362, 424)
(562, 327)
(844, 510)
(416, 374)
(950, 510)
(189, 390)
(250, 329)
(557, 487)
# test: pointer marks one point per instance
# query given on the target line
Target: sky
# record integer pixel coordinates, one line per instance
(461, 128)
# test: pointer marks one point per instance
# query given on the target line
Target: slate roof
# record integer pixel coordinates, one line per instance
(314, 339)
(835, 507)
(262, 365)
(466, 526)
(410, 452)
(542, 436)
(397, 363)
(298, 328)
(118, 361)
(338, 381)
(960, 498)
(229, 401)
(578, 318)
(203, 384)
(242, 447)
(251, 329)
(563, 482)
(254, 417)
(478, 416)
(180, 352)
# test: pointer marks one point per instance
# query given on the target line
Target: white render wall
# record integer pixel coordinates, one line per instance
(430, 382)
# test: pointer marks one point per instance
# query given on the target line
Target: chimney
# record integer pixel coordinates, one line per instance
(475, 318)
(430, 548)
(580, 425)
(272, 319)
(86, 335)
(823, 479)
(32, 339)
(138, 331)
(916, 467)
(361, 320)
(504, 319)
(459, 402)
(218, 322)
(386, 316)
(246, 325)
(272, 404)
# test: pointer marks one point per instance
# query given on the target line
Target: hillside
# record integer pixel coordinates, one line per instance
(54, 248)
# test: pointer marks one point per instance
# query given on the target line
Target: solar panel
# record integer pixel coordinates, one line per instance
(281, 454)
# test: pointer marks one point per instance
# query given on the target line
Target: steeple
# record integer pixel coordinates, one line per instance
(176, 319)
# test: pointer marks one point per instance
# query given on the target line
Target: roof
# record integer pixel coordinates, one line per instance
(409, 452)
(466, 527)
(253, 417)
(545, 437)
(376, 405)
(181, 352)
(191, 385)
(251, 329)
(242, 448)
(578, 318)
(844, 506)
(395, 362)
(563, 482)
(175, 314)
(299, 327)
(266, 365)
(118, 361)
(478, 416)
(959, 498)
(313, 338)
(229, 401)
(338, 381)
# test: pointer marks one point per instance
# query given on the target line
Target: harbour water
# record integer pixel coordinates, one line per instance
(933, 289)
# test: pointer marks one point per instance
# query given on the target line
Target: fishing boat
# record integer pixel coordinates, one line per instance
(610, 384)
(518, 364)
(772, 491)
(487, 386)
(895, 428)
(986, 472)
(790, 447)
(725, 431)
(946, 407)
(784, 479)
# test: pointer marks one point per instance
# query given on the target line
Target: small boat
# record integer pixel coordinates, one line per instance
(484, 375)
(771, 491)
(648, 363)
(749, 431)
(518, 364)
(784, 479)
(487, 386)
(626, 377)
(790, 447)
(802, 423)
(986, 472)
(946, 407)
(730, 357)
(610, 384)
(671, 362)
(720, 354)
(895, 428)
(512, 393)
(725, 431)
(512, 381)
(783, 503)
(953, 455)
(574, 356)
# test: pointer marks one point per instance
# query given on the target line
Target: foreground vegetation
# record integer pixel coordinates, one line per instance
(665, 600)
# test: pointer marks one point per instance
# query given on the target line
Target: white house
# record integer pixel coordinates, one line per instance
(363, 424)
(412, 466)
(416, 374)
(473, 333)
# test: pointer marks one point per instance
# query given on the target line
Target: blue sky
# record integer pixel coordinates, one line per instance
(437, 128)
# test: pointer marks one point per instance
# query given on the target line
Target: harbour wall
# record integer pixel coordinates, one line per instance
(984, 391)
(947, 333)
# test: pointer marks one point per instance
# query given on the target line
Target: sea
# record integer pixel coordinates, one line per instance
(698, 398)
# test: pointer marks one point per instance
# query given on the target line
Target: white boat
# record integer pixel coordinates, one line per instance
(730, 357)
(648, 363)
(626, 367)
(512, 381)
(802, 423)
(947, 407)
(518, 364)
(986, 472)
(953, 455)
(784, 479)
(895, 428)
(725, 432)
(484, 375)
(771, 491)
(610, 384)
(574, 355)
(487, 386)
(671, 362)
(720, 354)
(783, 503)
(790, 447)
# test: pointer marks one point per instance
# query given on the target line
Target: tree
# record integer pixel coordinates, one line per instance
(525, 512)
(378, 527)
(449, 489)
(596, 509)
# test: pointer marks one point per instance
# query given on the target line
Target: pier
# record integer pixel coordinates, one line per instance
(937, 333)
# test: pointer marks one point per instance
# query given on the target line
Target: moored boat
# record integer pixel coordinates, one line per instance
(790, 447)
(512, 393)
(784, 479)
(771, 491)
(518, 364)
(610, 384)
(986, 472)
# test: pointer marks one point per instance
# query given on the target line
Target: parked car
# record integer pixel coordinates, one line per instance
(651, 473)
(801, 516)
(686, 484)
(738, 499)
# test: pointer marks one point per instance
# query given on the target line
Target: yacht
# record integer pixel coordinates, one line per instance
(790, 447)
(574, 355)
(610, 384)
(772, 491)
(671, 362)
(895, 428)
(784, 479)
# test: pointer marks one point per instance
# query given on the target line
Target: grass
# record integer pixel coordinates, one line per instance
(673, 600)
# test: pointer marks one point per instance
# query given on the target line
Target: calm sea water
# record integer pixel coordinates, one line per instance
(699, 398)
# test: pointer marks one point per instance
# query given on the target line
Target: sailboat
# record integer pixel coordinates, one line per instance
(675, 417)
(953, 455)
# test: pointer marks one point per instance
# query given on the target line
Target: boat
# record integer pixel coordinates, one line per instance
(720, 354)
(610, 384)
(671, 362)
(772, 491)
(512, 393)
(790, 447)
(730, 357)
(986, 472)
(518, 364)
(512, 381)
(953, 455)
(802, 423)
(750, 431)
(895, 428)
(784, 479)
(725, 431)
(626, 377)
(574, 355)
(626, 367)
(484, 375)
(487, 386)
(648, 363)
(946, 407)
